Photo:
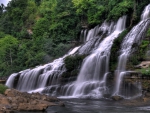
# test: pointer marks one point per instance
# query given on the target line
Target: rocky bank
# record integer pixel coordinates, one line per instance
(13, 100)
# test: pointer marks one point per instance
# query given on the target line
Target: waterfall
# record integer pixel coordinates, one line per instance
(92, 76)
(40, 76)
(94, 37)
(146, 13)
(83, 35)
(47, 77)
(133, 37)
(91, 80)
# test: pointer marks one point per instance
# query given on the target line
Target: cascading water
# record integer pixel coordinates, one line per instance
(94, 37)
(91, 81)
(133, 37)
(47, 76)
(83, 35)
(40, 76)
(92, 76)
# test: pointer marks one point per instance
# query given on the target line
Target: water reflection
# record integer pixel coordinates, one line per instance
(93, 106)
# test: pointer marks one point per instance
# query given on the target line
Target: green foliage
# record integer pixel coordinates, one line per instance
(120, 9)
(148, 33)
(134, 60)
(96, 11)
(1, 9)
(8, 44)
(139, 54)
(143, 46)
(144, 71)
(141, 51)
(40, 30)
(61, 49)
(2, 88)
(140, 6)
(2, 34)
(40, 27)
(8, 49)
(91, 11)
(115, 50)
(94, 14)
(73, 62)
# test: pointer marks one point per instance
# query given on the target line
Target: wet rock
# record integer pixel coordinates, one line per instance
(61, 104)
(147, 94)
(146, 99)
(117, 98)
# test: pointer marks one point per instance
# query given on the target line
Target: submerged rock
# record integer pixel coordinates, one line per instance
(13, 100)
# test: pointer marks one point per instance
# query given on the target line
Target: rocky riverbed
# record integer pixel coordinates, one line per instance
(13, 100)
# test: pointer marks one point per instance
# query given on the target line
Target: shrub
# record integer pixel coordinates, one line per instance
(2, 88)
(145, 71)
(115, 50)
(73, 62)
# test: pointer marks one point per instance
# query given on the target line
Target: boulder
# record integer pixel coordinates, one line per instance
(32, 107)
(11, 92)
(23, 101)
(146, 99)
(5, 101)
(61, 104)
(144, 64)
(117, 98)
(147, 94)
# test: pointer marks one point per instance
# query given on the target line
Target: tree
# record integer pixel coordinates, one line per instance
(8, 50)
(2, 7)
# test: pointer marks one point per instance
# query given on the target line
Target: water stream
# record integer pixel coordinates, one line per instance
(39, 77)
(133, 38)
(91, 79)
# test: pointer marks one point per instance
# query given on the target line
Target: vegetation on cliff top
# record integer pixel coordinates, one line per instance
(34, 32)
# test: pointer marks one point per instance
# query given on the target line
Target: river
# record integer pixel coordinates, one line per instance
(94, 106)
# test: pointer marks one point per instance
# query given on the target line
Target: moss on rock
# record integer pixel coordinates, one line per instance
(72, 64)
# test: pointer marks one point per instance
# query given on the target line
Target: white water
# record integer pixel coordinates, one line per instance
(90, 82)
(94, 37)
(83, 35)
(40, 76)
(91, 79)
(146, 13)
(133, 37)
(46, 77)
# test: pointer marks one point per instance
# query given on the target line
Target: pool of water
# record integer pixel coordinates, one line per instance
(94, 106)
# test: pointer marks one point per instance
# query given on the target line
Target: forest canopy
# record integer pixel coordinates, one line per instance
(34, 32)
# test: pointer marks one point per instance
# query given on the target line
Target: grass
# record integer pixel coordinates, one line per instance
(144, 71)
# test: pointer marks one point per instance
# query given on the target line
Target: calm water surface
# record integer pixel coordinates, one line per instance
(93, 106)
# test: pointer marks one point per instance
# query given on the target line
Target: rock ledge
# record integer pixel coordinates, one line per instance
(13, 100)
